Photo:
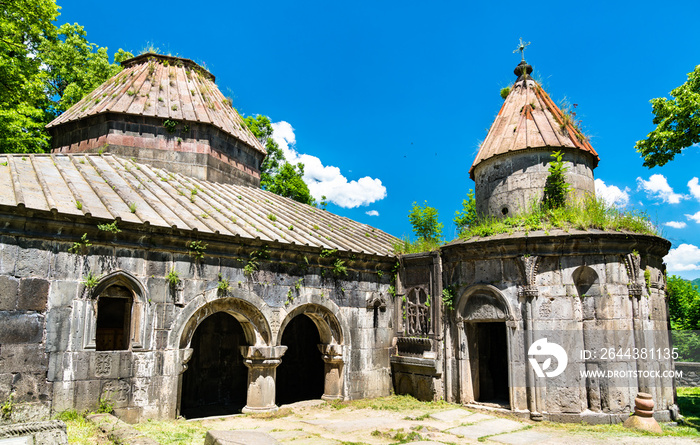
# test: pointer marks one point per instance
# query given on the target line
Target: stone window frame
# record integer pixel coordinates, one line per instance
(139, 306)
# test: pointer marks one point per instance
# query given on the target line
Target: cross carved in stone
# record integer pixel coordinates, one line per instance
(521, 48)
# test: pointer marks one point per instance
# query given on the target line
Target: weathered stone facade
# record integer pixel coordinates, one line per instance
(52, 362)
(165, 286)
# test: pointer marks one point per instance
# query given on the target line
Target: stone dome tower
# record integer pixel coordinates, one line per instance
(511, 167)
(166, 112)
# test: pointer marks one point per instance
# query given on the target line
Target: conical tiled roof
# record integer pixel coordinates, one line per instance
(530, 119)
(163, 87)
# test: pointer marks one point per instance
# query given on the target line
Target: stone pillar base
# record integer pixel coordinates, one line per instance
(333, 363)
(253, 409)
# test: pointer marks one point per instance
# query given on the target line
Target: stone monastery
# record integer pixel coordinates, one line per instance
(140, 263)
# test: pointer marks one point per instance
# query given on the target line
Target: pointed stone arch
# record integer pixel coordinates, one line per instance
(137, 308)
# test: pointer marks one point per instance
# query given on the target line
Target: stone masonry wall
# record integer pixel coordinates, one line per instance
(193, 149)
(534, 281)
(48, 357)
(511, 183)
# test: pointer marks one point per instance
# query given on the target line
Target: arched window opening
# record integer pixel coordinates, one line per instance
(586, 280)
(113, 326)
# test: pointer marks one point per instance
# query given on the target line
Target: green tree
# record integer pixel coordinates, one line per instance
(684, 312)
(424, 220)
(555, 188)
(468, 215)
(262, 129)
(288, 182)
(24, 26)
(276, 174)
(677, 123)
(43, 70)
(75, 66)
(683, 303)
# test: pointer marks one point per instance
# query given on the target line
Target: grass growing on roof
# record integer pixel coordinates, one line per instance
(589, 213)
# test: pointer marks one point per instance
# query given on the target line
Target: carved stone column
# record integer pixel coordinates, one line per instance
(334, 381)
(262, 363)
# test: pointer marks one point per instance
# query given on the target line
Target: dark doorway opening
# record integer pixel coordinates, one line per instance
(301, 374)
(489, 363)
(216, 380)
(113, 319)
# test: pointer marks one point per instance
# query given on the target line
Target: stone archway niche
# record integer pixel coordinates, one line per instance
(329, 342)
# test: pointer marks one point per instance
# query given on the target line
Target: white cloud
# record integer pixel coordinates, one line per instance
(326, 180)
(657, 186)
(676, 224)
(694, 188)
(695, 217)
(372, 213)
(612, 195)
(683, 258)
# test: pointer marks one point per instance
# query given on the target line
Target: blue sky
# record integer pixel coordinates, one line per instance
(386, 102)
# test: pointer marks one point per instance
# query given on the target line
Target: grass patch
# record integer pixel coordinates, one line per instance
(404, 245)
(590, 213)
(689, 404)
(172, 431)
(79, 430)
(391, 403)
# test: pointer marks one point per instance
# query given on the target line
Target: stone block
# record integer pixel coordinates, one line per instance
(131, 260)
(63, 396)
(21, 328)
(32, 387)
(62, 293)
(8, 255)
(58, 329)
(158, 290)
(8, 293)
(87, 394)
(23, 358)
(33, 294)
(66, 265)
(33, 258)
(158, 263)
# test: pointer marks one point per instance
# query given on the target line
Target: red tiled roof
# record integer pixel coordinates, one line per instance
(530, 119)
(163, 87)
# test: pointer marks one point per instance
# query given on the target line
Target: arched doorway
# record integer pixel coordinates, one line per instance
(484, 351)
(216, 380)
(301, 374)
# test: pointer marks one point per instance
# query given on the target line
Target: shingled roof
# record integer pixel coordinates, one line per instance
(163, 87)
(115, 188)
(530, 119)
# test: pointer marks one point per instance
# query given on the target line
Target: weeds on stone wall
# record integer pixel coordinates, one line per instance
(80, 247)
(90, 280)
(6, 408)
(196, 249)
(253, 264)
(111, 227)
(173, 278)
(223, 286)
(405, 245)
(448, 297)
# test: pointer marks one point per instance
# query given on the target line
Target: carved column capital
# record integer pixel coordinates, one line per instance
(332, 353)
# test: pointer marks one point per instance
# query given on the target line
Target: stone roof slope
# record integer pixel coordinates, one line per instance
(163, 87)
(530, 119)
(115, 188)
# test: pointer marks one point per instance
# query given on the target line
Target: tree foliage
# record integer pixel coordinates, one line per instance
(684, 312)
(43, 70)
(468, 215)
(24, 26)
(683, 303)
(75, 67)
(556, 189)
(276, 174)
(424, 220)
(677, 123)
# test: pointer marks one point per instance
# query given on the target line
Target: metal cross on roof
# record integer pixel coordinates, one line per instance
(521, 48)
